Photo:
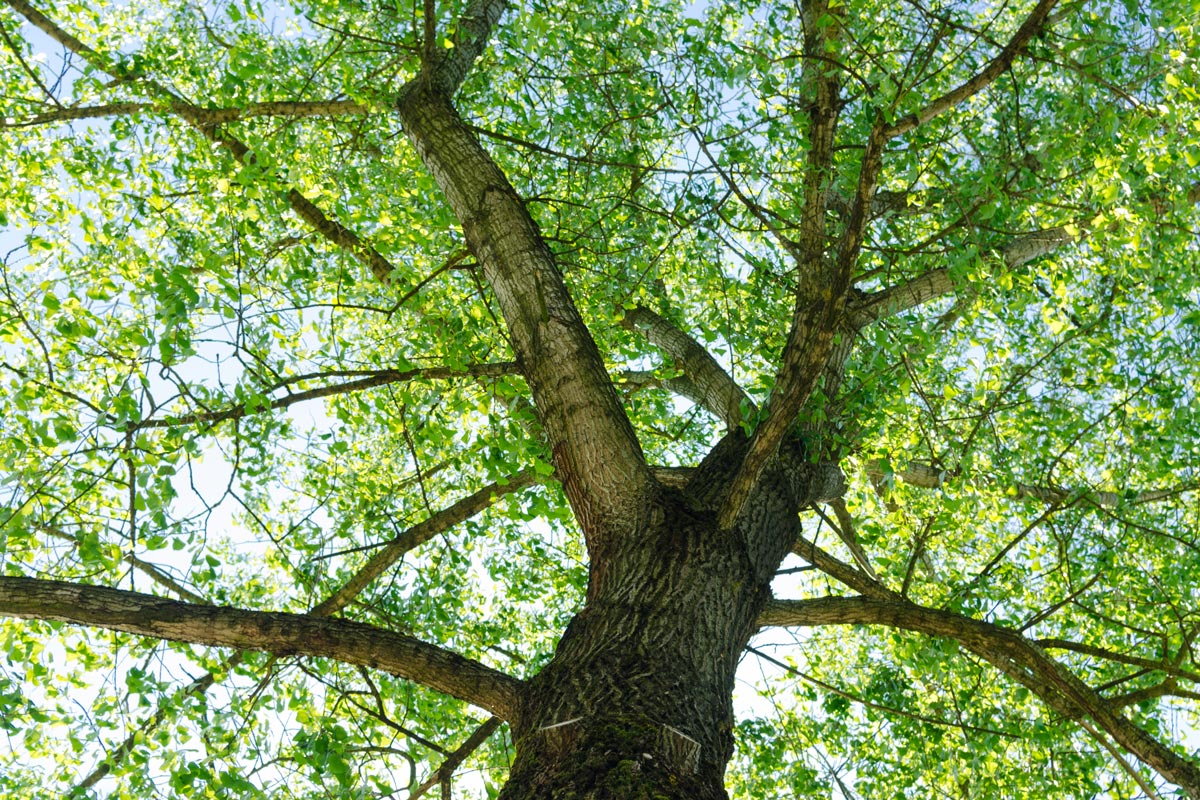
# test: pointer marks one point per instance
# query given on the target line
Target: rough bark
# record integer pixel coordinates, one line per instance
(637, 700)
(596, 452)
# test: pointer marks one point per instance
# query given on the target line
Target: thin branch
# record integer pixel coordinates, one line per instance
(329, 228)
(829, 687)
(422, 532)
(436, 524)
(1167, 688)
(1106, 654)
(374, 379)
(1146, 788)
(30, 71)
(840, 571)
(925, 476)
(145, 567)
(137, 737)
(444, 772)
(996, 67)
(844, 528)
(207, 116)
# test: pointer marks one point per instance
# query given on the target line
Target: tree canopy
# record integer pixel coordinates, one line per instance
(364, 362)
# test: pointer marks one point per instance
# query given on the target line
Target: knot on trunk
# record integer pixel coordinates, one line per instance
(828, 482)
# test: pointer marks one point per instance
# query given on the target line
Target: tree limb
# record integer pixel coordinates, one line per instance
(1157, 665)
(715, 390)
(422, 532)
(273, 632)
(329, 228)
(927, 286)
(1031, 27)
(820, 289)
(376, 378)
(1012, 653)
(925, 476)
(901, 297)
(208, 116)
(594, 447)
(450, 66)
(455, 759)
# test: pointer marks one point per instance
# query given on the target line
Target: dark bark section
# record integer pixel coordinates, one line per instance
(595, 450)
(273, 632)
(637, 700)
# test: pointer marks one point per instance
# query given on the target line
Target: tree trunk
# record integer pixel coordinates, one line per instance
(637, 702)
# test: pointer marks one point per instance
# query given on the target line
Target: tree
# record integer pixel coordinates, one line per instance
(395, 387)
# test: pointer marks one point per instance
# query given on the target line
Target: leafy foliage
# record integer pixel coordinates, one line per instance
(206, 390)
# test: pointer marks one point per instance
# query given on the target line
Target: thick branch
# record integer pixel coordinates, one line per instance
(1015, 655)
(820, 289)
(470, 39)
(901, 297)
(595, 450)
(840, 571)
(1029, 246)
(716, 391)
(995, 68)
(936, 283)
(273, 632)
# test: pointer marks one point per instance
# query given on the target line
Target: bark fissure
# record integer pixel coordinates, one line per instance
(638, 698)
